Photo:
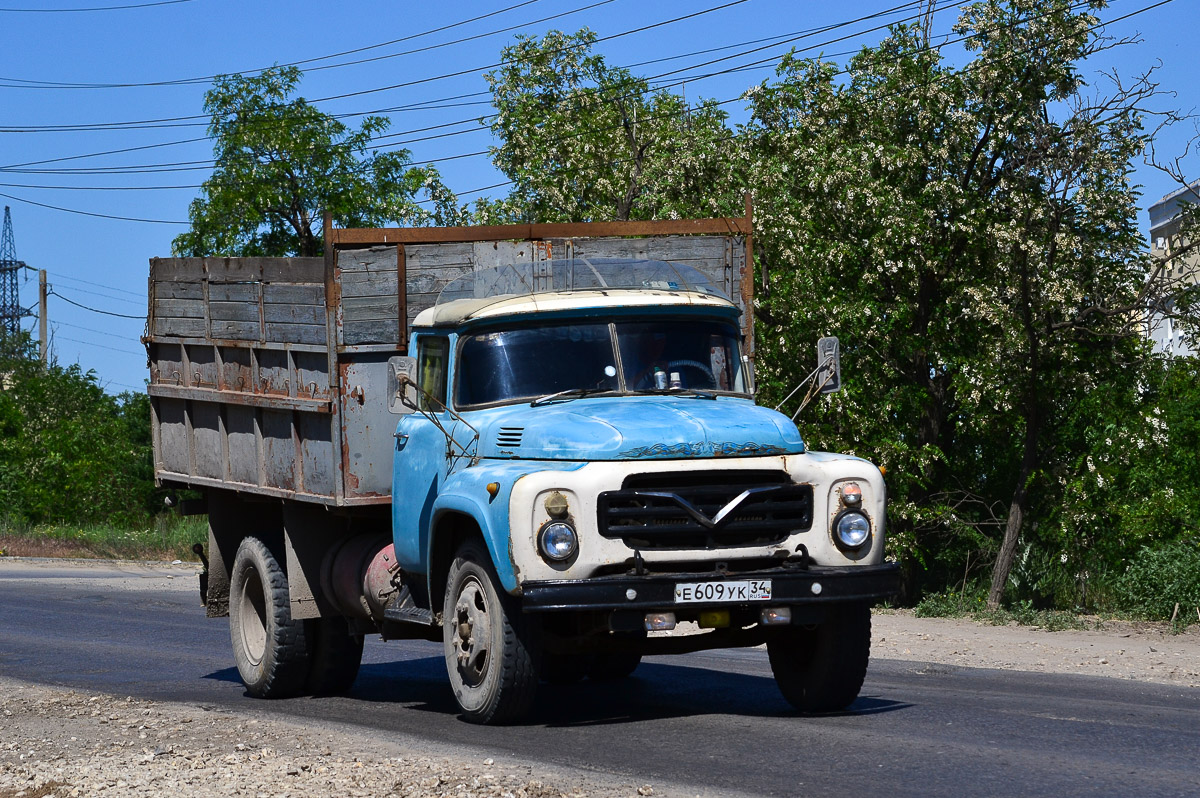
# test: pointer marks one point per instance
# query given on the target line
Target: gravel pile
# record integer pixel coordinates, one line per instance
(60, 743)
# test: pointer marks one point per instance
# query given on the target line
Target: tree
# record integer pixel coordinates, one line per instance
(585, 141)
(971, 234)
(69, 452)
(280, 163)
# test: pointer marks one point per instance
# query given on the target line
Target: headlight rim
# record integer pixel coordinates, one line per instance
(837, 537)
(544, 549)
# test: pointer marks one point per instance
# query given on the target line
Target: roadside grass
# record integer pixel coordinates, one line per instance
(954, 604)
(165, 537)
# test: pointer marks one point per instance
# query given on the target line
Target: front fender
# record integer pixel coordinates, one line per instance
(466, 493)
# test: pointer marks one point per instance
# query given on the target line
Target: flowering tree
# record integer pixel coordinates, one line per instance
(970, 233)
(585, 141)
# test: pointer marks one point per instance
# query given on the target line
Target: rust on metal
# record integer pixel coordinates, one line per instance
(748, 277)
(364, 237)
(402, 296)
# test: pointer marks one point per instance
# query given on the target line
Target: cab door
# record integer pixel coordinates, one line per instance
(420, 463)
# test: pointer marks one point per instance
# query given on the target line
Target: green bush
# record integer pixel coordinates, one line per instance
(948, 604)
(69, 452)
(1160, 577)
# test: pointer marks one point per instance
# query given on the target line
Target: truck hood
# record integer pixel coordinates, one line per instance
(636, 428)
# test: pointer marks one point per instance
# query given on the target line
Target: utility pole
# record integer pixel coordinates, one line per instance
(43, 323)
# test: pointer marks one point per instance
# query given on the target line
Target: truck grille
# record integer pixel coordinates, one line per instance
(705, 510)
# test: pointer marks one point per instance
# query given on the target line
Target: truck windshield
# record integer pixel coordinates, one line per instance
(622, 357)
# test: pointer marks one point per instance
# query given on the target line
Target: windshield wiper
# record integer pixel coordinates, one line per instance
(570, 393)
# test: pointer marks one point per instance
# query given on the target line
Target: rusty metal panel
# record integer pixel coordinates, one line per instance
(315, 464)
(274, 375)
(236, 372)
(367, 427)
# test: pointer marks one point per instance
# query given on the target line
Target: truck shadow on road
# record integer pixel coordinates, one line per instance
(656, 691)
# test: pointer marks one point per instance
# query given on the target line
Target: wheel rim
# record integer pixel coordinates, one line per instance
(472, 633)
(252, 617)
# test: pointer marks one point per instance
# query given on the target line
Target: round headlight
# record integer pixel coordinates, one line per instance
(851, 530)
(558, 541)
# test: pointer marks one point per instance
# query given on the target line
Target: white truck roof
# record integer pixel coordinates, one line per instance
(462, 310)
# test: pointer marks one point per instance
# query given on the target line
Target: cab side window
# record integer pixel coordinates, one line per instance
(433, 369)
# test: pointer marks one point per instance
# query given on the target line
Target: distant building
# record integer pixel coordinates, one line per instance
(1164, 239)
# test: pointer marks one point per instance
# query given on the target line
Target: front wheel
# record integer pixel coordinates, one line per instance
(821, 669)
(491, 648)
(271, 650)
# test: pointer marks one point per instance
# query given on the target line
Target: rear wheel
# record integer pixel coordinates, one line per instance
(821, 669)
(271, 650)
(336, 655)
(491, 648)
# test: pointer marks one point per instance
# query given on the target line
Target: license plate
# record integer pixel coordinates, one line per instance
(708, 592)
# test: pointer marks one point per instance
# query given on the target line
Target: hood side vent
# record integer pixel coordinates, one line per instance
(510, 437)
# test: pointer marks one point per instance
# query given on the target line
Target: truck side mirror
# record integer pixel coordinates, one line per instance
(829, 365)
(402, 384)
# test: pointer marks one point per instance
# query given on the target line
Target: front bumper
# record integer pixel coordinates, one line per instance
(790, 586)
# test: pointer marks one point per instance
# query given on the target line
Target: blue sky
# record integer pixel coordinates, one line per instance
(60, 70)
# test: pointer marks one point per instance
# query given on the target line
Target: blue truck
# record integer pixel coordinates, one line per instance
(537, 445)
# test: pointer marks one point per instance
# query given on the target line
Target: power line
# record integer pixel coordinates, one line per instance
(52, 292)
(89, 213)
(58, 276)
(929, 48)
(195, 165)
(95, 8)
(97, 332)
(196, 120)
(690, 79)
(140, 303)
(42, 84)
(58, 337)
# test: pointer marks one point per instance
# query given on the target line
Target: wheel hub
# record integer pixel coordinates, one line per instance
(253, 618)
(472, 631)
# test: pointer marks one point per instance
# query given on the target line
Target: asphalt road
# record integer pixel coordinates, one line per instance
(712, 721)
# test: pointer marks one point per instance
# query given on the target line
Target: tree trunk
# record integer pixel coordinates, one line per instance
(1008, 546)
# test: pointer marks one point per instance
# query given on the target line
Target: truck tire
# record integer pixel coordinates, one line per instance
(270, 649)
(336, 656)
(492, 651)
(611, 667)
(821, 669)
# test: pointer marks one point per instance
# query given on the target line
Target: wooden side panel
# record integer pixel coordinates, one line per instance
(370, 306)
(264, 300)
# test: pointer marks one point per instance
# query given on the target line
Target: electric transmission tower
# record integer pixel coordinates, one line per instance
(10, 300)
